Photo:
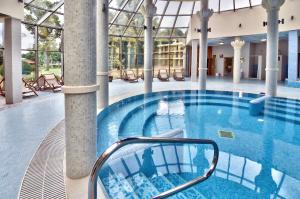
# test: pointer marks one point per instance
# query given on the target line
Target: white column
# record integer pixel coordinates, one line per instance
(102, 53)
(12, 60)
(80, 87)
(272, 7)
(194, 61)
(184, 61)
(148, 10)
(204, 14)
(237, 46)
(293, 56)
(129, 55)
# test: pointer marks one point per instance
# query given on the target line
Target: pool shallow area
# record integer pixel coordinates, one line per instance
(259, 155)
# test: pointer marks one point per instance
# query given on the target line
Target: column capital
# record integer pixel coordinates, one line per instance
(272, 4)
(205, 14)
(148, 10)
(237, 44)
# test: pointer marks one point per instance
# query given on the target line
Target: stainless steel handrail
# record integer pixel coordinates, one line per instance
(92, 190)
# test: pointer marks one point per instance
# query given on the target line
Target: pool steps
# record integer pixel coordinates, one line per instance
(139, 186)
(273, 105)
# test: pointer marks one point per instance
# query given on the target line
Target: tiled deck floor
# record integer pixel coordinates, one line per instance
(24, 126)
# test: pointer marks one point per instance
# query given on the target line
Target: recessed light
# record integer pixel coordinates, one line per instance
(263, 40)
(221, 43)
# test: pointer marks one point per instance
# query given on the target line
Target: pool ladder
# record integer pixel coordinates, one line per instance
(92, 190)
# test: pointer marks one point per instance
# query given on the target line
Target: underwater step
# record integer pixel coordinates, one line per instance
(117, 187)
(163, 184)
(177, 180)
(142, 186)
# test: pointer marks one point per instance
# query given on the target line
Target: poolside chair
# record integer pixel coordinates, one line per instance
(130, 76)
(163, 75)
(27, 89)
(2, 90)
(48, 82)
(178, 75)
(110, 78)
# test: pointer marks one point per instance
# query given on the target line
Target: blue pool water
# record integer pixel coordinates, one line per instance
(261, 160)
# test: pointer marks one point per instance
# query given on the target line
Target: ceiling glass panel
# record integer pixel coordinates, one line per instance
(182, 21)
(255, 2)
(172, 8)
(132, 5)
(125, 21)
(156, 21)
(137, 20)
(46, 4)
(186, 8)
(163, 32)
(160, 5)
(226, 5)
(215, 5)
(117, 4)
(197, 7)
(133, 31)
(167, 21)
(123, 18)
(179, 32)
(241, 4)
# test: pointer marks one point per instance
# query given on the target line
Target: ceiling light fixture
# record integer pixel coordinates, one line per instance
(221, 43)
(263, 40)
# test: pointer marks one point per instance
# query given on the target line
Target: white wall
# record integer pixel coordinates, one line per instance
(226, 23)
(227, 51)
(12, 8)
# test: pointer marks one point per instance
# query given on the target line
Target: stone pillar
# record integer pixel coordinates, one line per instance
(194, 61)
(12, 60)
(204, 14)
(80, 87)
(293, 56)
(102, 53)
(237, 46)
(272, 8)
(148, 10)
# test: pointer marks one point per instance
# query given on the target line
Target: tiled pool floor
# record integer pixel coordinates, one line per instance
(24, 126)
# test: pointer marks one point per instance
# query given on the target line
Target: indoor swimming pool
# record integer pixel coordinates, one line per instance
(259, 155)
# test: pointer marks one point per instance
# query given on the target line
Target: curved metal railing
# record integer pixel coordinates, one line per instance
(92, 191)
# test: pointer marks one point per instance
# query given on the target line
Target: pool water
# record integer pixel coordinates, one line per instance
(259, 159)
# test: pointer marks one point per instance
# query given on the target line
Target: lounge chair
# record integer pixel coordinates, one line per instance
(178, 75)
(163, 75)
(2, 90)
(110, 78)
(130, 76)
(48, 82)
(142, 76)
(27, 89)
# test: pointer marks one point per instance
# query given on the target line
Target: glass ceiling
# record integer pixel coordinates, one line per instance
(171, 20)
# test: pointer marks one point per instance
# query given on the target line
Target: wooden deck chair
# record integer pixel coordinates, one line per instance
(178, 75)
(2, 89)
(130, 76)
(48, 82)
(163, 75)
(27, 89)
